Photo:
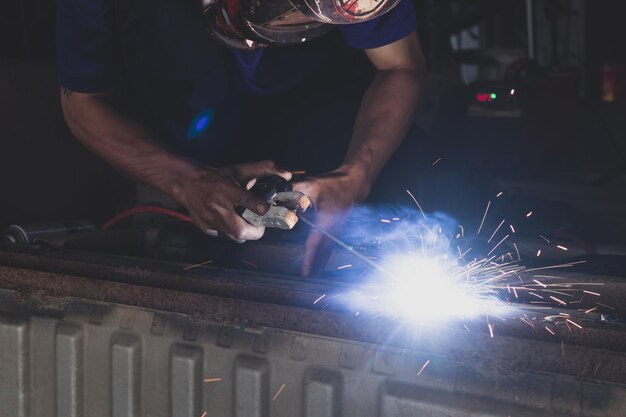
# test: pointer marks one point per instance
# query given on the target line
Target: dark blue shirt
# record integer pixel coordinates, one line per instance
(182, 82)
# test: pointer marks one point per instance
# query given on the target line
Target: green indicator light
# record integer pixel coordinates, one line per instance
(493, 96)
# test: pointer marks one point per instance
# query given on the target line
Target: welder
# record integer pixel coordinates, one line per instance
(139, 79)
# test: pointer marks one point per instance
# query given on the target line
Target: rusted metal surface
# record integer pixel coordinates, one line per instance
(106, 360)
(258, 301)
(262, 332)
(102, 359)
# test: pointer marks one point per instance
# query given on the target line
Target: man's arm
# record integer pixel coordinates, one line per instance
(387, 109)
(385, 115)
(210, 195)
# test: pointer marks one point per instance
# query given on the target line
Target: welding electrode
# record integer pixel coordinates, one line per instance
(344, 245)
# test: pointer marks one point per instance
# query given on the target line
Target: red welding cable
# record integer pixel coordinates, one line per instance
(145, 209)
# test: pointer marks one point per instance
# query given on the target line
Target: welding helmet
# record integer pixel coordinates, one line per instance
(251, 24)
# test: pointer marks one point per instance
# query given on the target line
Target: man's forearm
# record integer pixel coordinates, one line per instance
(382, 122)
(126, 145)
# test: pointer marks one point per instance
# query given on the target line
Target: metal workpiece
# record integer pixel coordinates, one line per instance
(89, 336)
(111, 360)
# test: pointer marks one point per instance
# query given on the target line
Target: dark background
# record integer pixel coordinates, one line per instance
(564, 157)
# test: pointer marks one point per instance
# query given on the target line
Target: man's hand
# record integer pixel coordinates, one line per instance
(333, 195)
(212, 197)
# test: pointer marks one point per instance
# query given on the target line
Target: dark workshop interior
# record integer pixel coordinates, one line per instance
(516, 149)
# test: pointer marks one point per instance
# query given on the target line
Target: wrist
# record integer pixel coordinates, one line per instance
(357, 176)
(174, 171)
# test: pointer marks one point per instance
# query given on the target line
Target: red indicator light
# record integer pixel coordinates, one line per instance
(484, 97)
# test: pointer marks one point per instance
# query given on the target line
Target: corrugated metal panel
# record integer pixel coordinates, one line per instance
(14, 364)
(120, 361)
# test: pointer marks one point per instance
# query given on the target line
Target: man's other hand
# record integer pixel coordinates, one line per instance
(213, 196)
(333, 195)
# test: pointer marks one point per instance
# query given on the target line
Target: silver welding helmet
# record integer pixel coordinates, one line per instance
(251, 24)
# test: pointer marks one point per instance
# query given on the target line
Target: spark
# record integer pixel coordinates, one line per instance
(469, 285)
(484, 217)
(250, 263)
(197, 265)
(423, 367)
(591, 310)
(319, 299)
(530, 213)
(539, 253)
(385, 221)
(209, 380)
(396, 219)
(499, 243)
(560, 293)
(574, 323)
(204, 414)
(499, 194)
(562, 247)
(467, 328)
(604, 305)
(280, 390)
(437, 161)
(298, 172)
(416, 203)
(592, 293)
(548, 276)
(496, 231)
(549, 331)
(525, 320)
(544, 238)
(558, 300)
(339, 268)
(567, 265)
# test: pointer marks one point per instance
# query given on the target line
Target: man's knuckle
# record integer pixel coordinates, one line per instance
(239, 233)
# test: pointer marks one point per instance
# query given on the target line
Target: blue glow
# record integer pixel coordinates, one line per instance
(200, 123)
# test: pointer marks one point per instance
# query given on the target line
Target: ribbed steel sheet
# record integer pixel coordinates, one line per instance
(106, 360)
(81, 336)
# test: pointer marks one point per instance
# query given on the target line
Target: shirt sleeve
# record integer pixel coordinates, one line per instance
(394, 25)
(85, 54)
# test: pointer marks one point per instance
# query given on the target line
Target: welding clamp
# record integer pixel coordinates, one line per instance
(285, 204)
